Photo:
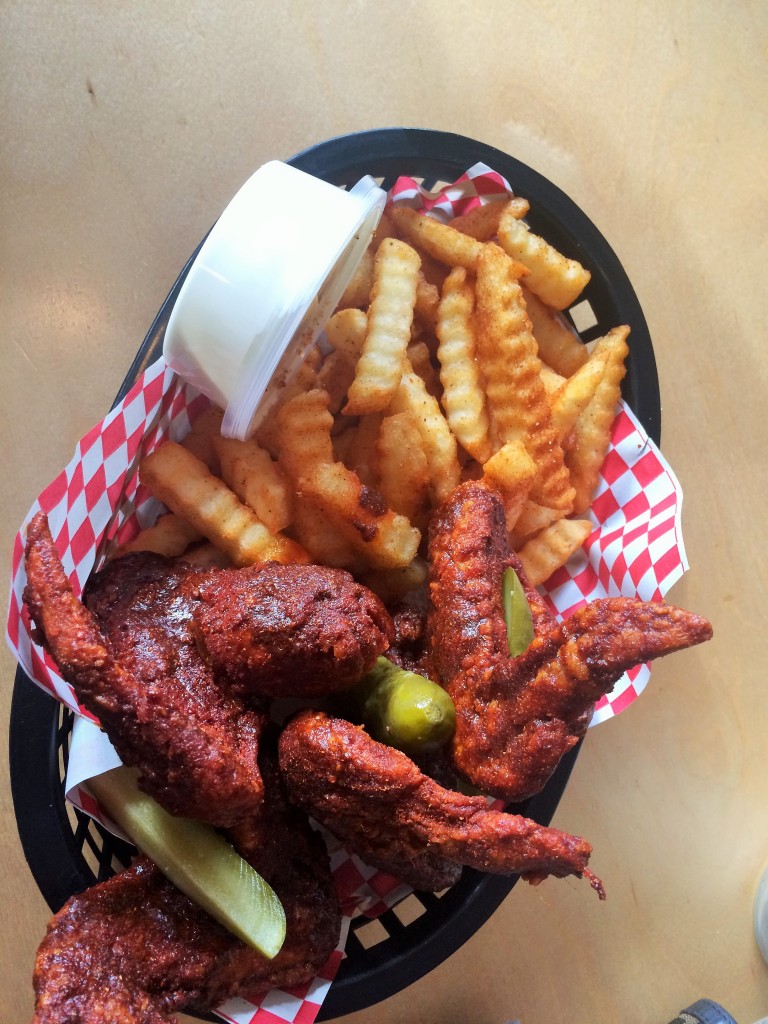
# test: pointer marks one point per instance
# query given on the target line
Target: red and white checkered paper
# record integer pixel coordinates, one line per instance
(97, 503)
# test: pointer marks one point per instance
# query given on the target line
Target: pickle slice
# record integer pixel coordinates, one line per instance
(517, 613)
(406, 710)
(199, 862)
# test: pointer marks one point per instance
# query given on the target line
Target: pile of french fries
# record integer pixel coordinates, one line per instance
(447, 359)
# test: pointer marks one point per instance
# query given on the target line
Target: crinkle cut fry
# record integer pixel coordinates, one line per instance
(557, 280)
(463, 397)
(441, 241)
(390, 315)
(377, 801)
(591, 433)
(185, 485)
(515, 718)
(380, 537)
(517, 401)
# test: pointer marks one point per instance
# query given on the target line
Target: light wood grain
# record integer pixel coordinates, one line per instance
(127, 127)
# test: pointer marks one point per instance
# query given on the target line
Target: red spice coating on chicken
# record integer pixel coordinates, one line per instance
(171, 677)
(516, 717)
(382, 807)
(134, 949)
(288, 631)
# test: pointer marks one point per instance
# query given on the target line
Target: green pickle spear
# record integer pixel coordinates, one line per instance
(406, 710)
(517, 613)
(198, 861)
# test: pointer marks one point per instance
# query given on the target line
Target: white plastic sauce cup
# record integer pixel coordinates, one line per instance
(264, 283)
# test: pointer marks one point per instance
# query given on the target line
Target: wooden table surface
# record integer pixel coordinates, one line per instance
(126, 128)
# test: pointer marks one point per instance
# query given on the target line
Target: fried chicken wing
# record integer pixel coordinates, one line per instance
(134, 949)
(173, 660)
(382, 807)
(516, 717)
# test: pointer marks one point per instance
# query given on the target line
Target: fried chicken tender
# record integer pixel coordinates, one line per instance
(375, 799)
(516, 717)
(304, 632)
(165, 656)
(134, 949)
(195, 746)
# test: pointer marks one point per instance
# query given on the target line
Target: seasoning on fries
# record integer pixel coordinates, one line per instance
(257, 481)
(463, 394)
(575, 394)
(511, 471)
(592, 430)
(185, 485)
(402, 463)
(559, 348)
(516, 397)
(444, 243)
(557, 280)
(447, 359)
(390, 315)
(552, 548)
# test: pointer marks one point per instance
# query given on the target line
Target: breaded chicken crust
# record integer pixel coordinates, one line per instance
(516, 717)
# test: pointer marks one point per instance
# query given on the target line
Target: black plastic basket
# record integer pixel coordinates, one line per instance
(67, 851)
